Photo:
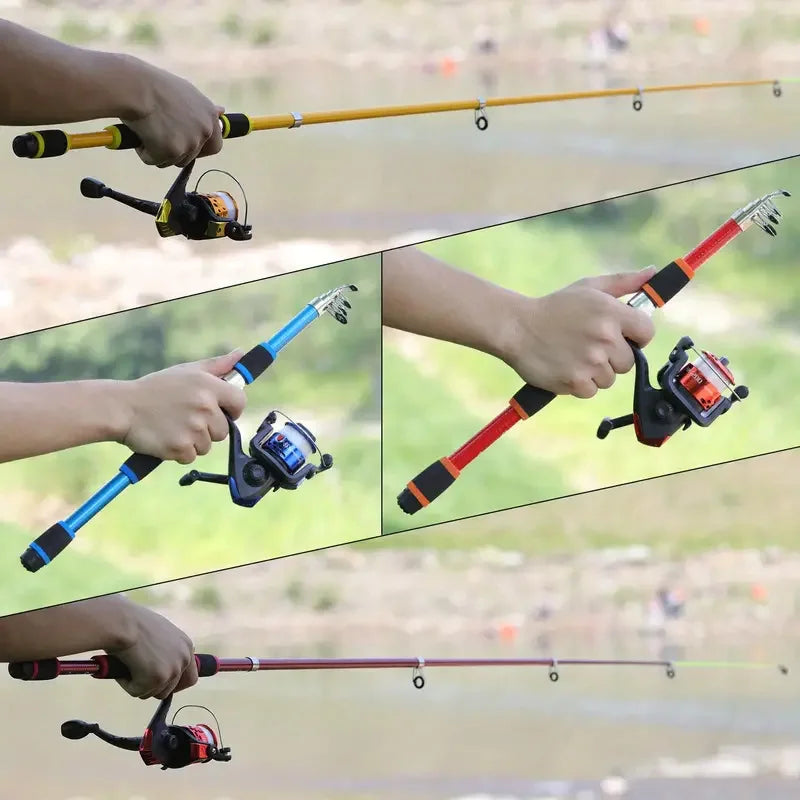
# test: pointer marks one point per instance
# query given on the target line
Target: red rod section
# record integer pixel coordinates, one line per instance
(713, 244)
(485, 437)
(78, 667)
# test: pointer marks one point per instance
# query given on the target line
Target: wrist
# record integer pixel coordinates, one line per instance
(513, 327)
(130, 80)
(115, 409)
(124, 628)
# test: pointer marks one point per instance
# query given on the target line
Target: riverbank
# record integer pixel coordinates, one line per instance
(252, 35)
(370, 592)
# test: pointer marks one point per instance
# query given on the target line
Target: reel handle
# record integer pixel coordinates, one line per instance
(100, 667)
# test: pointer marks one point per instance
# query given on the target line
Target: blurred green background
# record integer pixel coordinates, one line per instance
(328, 378)
(743, 305)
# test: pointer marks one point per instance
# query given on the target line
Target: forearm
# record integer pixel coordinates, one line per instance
(47, 82)
(38, 418)
(426, 296)
(103, 623)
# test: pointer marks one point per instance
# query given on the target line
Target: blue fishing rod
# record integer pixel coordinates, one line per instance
(138, 466)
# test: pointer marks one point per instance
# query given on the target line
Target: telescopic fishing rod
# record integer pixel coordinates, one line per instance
(689, 391)
(52, 143)
(277, 457)
(172, 746)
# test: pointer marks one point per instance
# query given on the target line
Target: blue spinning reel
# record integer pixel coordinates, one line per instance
(277, 459)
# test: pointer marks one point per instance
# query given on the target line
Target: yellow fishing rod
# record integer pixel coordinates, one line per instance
(51, 143)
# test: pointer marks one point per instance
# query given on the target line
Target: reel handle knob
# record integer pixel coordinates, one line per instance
(93, 188)
(76, 729)
(605, 427)
(327, 460)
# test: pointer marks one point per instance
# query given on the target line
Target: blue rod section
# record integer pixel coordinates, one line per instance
(290, 330)
(97, 502)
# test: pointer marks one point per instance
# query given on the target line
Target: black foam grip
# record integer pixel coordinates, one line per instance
(207, 665)
(128, 139)
(238, 125)
(256, 361)
(430, 483)
(43, 670)
(55, 143)
(532, 399)
(111, 668)
(52, 542)
(141, 465)
(668, 281)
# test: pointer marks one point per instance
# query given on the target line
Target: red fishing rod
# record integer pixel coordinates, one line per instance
(689, 393)
(172, 746)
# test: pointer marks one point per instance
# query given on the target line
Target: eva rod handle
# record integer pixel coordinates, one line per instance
(100, 667)
(42, 550)
(434, 480)
(53, 142)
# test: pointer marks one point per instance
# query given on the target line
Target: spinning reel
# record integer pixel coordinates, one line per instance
(278, 459)
(166, 745)
(196, 216)
(689, 391)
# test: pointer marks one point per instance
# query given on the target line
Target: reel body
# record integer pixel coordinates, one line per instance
(195, 215)
(698, 391)
(166, 745)
(277, 458)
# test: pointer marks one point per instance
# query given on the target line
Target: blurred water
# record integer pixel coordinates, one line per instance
(470, 732)
(389, 177)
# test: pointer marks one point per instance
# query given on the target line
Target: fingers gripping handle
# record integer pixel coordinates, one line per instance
(136, 468)
(100, 667)
(52, 143)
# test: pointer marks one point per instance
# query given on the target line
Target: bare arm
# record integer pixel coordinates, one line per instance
(103, 623)
(173, 414)
(426, 296)
(569, 342)
(46, 82)
(160, 656)
(38, 418)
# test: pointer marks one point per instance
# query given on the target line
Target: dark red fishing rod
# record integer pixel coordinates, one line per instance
(172, 746)
(529, 400)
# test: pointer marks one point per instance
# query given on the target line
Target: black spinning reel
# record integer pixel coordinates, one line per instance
(196, 216)
(688, 392)
(166, 745)
(278, 459)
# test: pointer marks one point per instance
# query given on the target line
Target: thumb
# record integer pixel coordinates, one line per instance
(618, 284)
(221, 365)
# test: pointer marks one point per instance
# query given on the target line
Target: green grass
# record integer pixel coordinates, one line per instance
(75, 574)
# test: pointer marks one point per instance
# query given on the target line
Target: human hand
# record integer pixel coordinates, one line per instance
(176, 123)
(573, 341)
(160, 659)
(175, 414)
